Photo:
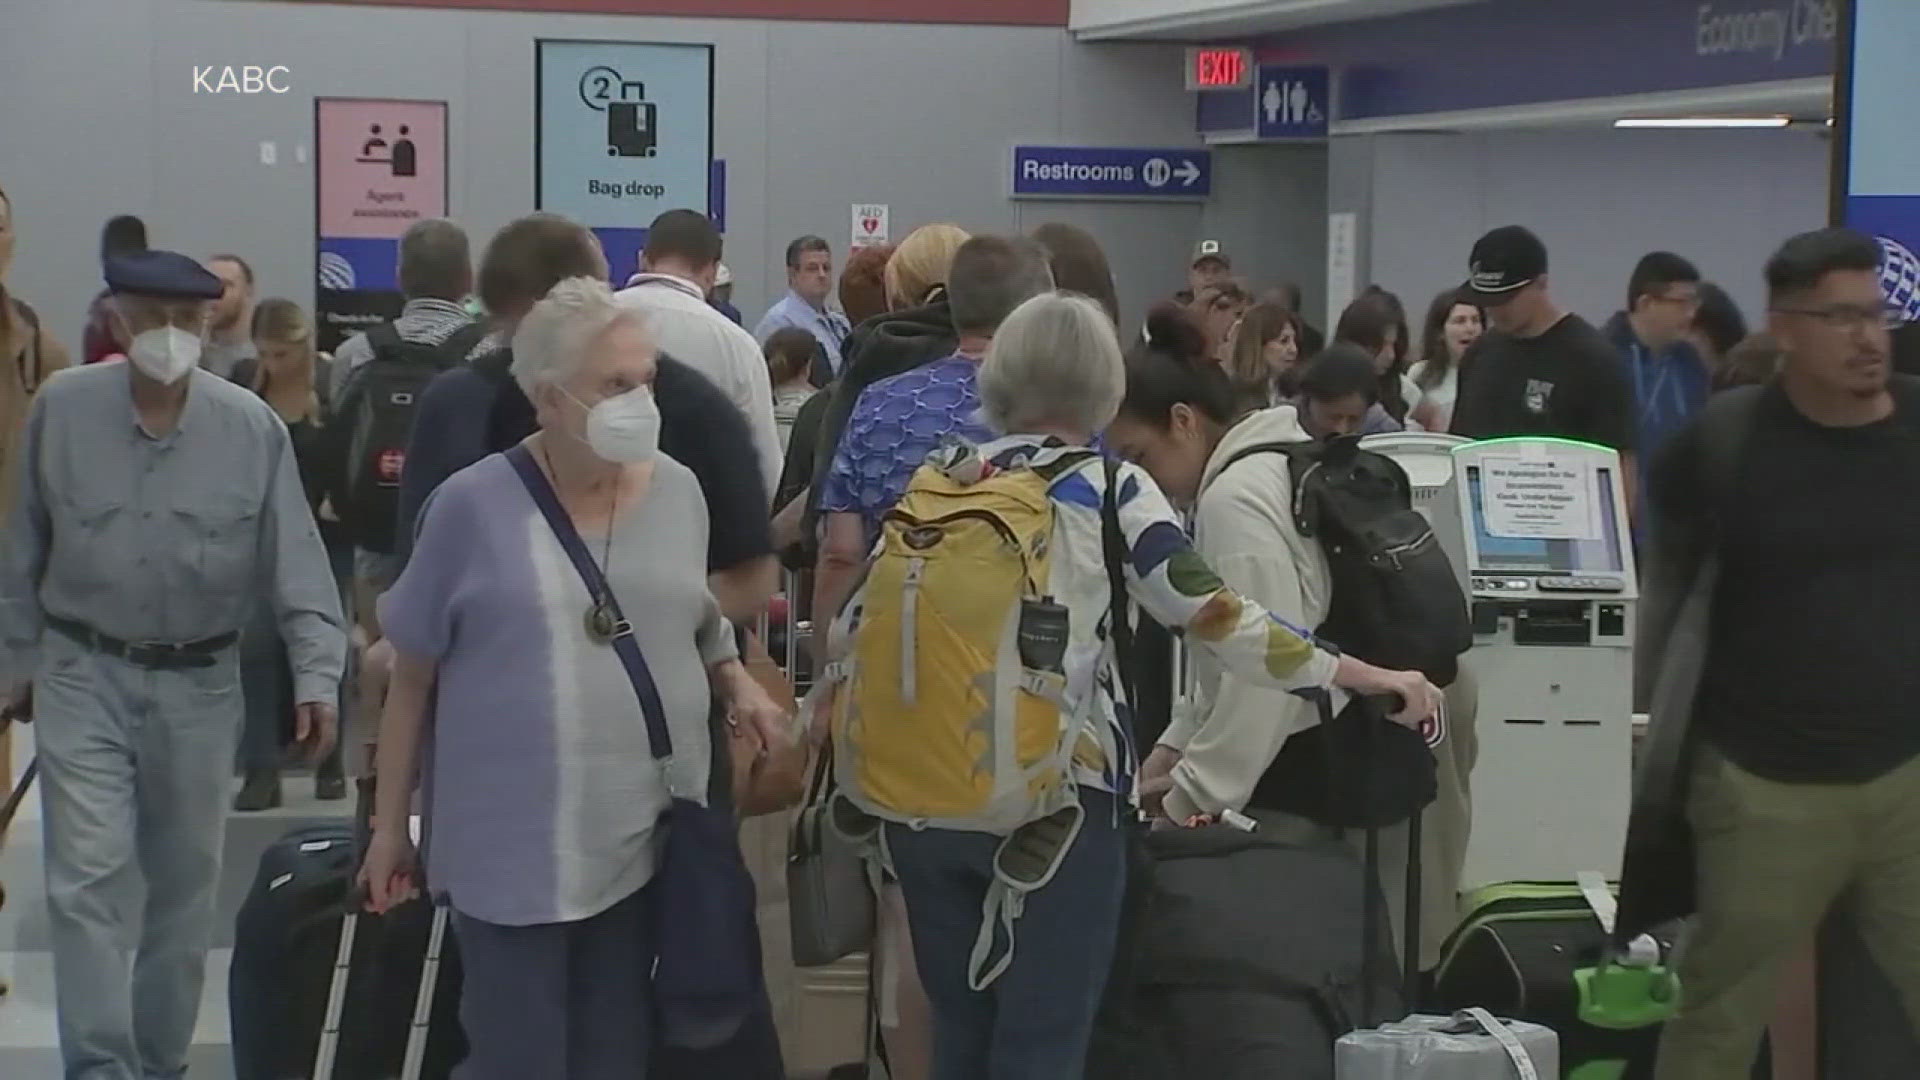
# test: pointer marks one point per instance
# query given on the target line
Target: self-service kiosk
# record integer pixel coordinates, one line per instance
(1549, 564)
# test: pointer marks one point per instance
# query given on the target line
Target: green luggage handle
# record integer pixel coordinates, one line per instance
(1632, 989)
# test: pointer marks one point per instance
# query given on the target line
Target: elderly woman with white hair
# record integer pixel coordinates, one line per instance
(543, 798)
(1051, 381)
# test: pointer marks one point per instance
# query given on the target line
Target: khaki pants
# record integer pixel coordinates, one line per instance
(1773, 858)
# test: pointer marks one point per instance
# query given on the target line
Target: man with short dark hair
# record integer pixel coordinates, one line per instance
(1339, 391)
(1540, 369)
(678, 266)
(435, 274)
(899, 420)
(1670, 381)
(230, 334)
(478, 409)
(1801, 776)
(809, 285)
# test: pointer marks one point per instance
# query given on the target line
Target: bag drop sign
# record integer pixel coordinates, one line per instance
(624, 129)
(1540, 500)
(872, 225)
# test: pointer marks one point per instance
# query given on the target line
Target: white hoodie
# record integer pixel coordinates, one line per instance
(1243, 528)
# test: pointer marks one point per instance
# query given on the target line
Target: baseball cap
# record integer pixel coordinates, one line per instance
(1210, 249)
(1503, 262)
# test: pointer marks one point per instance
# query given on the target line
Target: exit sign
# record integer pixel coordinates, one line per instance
(1219, 69)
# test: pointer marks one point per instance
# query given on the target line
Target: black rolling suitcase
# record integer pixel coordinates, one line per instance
(1245, 957)
(1543, 952)
(319, 991)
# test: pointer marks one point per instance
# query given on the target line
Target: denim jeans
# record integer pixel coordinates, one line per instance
(1035, 1020)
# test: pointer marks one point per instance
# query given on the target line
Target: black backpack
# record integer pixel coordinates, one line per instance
(1395, 602)
(376, 412)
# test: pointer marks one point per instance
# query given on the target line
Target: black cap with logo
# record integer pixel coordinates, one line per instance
(1504, 261)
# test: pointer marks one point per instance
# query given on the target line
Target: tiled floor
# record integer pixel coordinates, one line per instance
(28, 1042)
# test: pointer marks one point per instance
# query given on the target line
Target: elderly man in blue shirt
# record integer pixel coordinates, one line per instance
(157, 502)
(809, 283)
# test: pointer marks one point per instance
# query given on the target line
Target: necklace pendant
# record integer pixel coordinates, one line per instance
(602, 625)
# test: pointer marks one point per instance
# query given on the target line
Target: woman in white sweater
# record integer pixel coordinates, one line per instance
(1180, 422)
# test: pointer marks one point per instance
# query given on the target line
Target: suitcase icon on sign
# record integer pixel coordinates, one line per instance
(631, 130)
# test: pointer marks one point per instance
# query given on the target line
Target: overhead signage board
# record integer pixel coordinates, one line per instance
(1878, 181)
(1292, 101)
(379, 167)
(1514, 53)
(623, 131)
(1111, 172)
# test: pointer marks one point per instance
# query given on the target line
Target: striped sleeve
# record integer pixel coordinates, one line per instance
(1170, 580)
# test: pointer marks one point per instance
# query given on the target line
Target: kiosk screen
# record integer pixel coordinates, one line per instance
(1602, 554)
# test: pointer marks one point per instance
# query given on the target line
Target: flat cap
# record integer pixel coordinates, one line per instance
(164, 275)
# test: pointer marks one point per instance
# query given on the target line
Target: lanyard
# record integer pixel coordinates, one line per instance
(1664, 379)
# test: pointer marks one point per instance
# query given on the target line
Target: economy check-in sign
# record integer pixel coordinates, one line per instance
(1110, 172)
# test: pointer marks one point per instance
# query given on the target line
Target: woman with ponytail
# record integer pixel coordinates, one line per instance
(1181, 420)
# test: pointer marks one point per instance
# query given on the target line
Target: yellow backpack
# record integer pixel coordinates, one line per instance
(948, 707)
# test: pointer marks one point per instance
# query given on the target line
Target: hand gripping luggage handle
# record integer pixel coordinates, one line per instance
(421, 1026)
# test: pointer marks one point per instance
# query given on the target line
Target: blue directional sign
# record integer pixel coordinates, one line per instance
(1110, 172)
(1292, 101)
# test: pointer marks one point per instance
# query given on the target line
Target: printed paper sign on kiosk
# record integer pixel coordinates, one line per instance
(1540, 499)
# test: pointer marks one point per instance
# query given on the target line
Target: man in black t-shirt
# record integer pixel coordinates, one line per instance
(1540, 370)
(1805, 784)
(477, 409)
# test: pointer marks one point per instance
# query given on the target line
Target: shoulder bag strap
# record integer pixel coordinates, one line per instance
(628, 650)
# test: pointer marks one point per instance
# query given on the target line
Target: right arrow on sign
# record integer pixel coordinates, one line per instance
(1188, 172)
(1273, 101)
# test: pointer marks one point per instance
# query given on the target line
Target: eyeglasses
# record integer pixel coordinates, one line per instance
(1848, 317)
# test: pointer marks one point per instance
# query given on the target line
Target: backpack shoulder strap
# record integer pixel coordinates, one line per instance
(460, 344)
(1113, 543)
(1301, 458)
(1293, 451)
(383, 338)
(1725, 425)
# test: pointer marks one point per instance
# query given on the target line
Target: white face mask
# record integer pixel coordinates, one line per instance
(624, 429)
(165, 354)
